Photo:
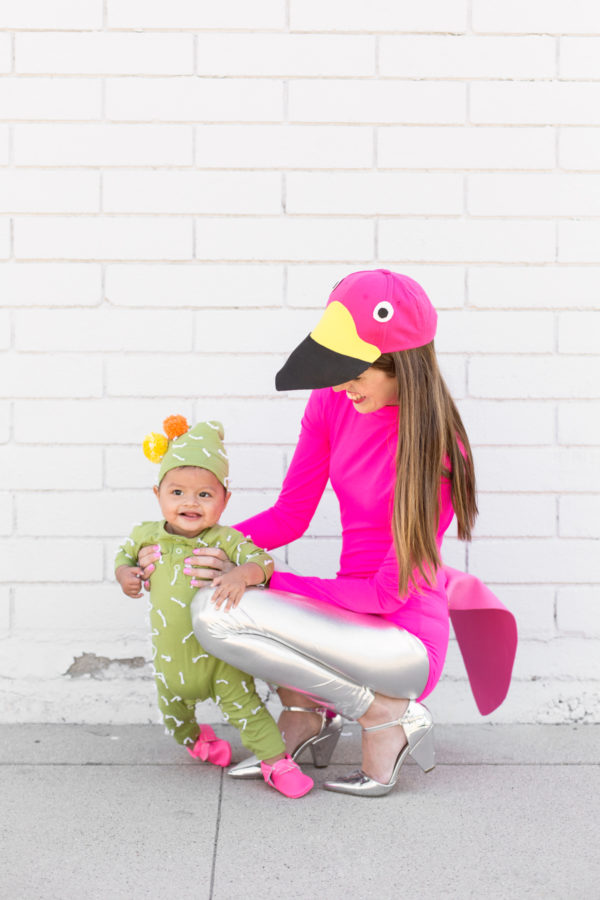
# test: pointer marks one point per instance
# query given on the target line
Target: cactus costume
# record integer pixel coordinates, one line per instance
(184, 672)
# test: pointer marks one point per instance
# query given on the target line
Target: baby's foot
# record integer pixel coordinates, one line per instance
(287, 777)
(210, 748)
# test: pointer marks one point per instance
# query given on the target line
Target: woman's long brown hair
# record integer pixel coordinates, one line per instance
(430, 431)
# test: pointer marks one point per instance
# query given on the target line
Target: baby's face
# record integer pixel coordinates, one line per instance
(191, 499)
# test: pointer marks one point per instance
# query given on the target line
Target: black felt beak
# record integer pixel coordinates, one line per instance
(312, 366)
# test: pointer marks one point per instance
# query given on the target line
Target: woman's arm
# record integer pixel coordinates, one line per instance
(379, 593)
(302, 488)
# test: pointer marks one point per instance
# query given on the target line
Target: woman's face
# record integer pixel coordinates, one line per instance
(370, 391)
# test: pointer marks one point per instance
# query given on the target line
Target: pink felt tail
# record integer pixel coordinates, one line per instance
(486, 633)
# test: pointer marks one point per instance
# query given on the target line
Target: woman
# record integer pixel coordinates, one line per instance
(383, 427)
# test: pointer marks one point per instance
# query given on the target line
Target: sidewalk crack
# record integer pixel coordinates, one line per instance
(216, 843)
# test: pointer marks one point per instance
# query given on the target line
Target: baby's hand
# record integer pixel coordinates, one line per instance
(229, 589)
(129, 579)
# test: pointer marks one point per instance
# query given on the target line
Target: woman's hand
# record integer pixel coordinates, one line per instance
(146, 559)
(207, 563)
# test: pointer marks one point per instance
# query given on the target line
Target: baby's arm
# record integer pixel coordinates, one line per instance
(231, 586)
(253, 566)
(129, 577)
(127, 573)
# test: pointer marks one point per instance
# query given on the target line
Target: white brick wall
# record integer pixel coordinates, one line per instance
(456, 147)
(378, 15)
(545, 16)
(466, 56)
(337, 100)
(37, 15)
(103, 144)
(101, 53)
(98, 237)
(180, 186)
(50, 98)
(197, 14)
(189, 99)
(284, 146)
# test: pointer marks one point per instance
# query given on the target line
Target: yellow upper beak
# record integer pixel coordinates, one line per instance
(337, 331)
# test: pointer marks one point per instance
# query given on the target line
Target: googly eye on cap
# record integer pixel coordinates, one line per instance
(368, 313)
(383, 312)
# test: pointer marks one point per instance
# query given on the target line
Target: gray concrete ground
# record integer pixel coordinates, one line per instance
(122, 812)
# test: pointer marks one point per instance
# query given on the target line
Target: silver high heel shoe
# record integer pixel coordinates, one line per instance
(321, 745)
(418, 728)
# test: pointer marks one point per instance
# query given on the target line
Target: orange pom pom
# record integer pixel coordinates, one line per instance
(175, 426)
(155, 446)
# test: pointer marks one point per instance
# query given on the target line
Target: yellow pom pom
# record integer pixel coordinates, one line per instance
(155, 446)
(175, 426)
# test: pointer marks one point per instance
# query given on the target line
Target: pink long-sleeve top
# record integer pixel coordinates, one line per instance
(356, 452)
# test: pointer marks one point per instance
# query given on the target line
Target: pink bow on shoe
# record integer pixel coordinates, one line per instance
(287, 777)
(210, 748)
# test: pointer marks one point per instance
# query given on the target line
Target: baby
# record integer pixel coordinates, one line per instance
(192, 493)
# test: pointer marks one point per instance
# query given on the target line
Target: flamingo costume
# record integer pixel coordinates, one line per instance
(367, 314)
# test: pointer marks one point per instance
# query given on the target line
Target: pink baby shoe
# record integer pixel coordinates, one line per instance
(210, 748)
(287, 777)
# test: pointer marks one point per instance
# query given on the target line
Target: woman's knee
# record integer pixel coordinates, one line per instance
(213, 626)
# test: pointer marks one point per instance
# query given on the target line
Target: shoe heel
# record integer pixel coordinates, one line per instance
(322, 749)
(423, 752)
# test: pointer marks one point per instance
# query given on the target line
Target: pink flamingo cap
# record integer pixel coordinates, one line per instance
(367, 314)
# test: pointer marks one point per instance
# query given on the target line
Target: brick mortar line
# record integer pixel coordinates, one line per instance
(311, 123)
(278, 77)
(135, 29)
(216, 838)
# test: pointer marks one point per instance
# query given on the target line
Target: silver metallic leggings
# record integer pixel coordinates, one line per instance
(332, 655)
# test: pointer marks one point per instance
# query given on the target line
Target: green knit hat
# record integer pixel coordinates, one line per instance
(181, 445)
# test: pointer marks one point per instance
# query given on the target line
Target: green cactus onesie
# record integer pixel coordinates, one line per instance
(184, 672)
